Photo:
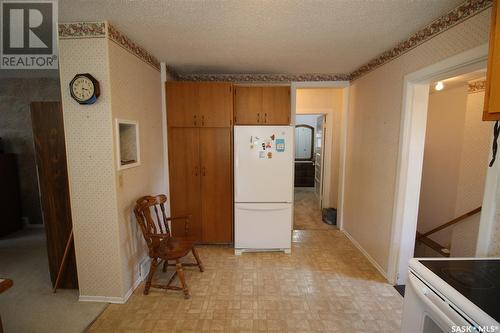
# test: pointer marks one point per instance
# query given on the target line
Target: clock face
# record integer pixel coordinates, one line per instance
(82, 88)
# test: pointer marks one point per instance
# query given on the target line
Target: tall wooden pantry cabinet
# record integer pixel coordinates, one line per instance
(199, 119)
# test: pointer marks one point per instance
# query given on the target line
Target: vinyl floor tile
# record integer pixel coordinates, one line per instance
(325, 285)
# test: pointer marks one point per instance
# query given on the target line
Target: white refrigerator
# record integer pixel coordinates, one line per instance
(263, 188)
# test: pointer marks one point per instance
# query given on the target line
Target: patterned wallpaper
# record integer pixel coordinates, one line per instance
(374, 132)
(463, 12)
(476, 86)
(91, 169)
(263, 77)
(107, 242)
(136, 95)
(77, 30)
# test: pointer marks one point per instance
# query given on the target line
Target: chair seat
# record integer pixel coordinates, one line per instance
(173, 248)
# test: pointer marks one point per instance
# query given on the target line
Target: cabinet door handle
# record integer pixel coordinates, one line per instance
(203, 171)
(265, 117)
(194, 120)
(258, 117)
(202, 120)
(196, 170)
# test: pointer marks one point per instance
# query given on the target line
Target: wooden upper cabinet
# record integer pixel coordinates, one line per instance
(491, 109)
(199, 104)
(182, 104)
(247, 105)
(262, 105)
(215, 104)
(276, 105)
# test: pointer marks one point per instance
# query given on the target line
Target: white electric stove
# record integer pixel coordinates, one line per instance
(452, 295)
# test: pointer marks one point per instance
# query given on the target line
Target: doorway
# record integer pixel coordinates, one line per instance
(318, 123)
(308, 179)
(456, 152)
(35, 198)
(411, 154)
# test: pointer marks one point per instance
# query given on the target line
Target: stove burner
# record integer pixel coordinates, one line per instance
(467, 278)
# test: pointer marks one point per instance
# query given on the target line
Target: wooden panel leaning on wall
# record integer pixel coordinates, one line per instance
(50, 151)
(200, 157)
(491, 110)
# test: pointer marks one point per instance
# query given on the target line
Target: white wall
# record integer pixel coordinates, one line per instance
(442, 156)
(375, 106)
(457, 146)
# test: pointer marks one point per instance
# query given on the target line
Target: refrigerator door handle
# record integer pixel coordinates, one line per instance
(236, 164)
(263, 208)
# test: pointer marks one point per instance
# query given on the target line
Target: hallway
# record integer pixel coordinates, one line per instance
(307, 215)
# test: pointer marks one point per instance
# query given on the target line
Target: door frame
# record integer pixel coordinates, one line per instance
(345, 86)
(411, 153)
(323, 115)
(322, 165)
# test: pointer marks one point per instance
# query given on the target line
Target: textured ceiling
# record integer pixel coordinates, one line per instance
(262, 36)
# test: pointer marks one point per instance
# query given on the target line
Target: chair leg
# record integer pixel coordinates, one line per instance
(165, 264)
(182, 278)
(152, 270)
(198, 260)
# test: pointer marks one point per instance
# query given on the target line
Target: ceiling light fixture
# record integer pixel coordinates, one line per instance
(439, 86)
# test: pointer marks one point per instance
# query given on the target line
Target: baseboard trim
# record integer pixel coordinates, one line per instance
(370, 258)
(112, 299)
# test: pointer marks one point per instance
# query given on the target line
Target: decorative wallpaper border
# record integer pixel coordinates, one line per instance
(125, 42)
(445, 22)
(263, 77)
(79, 30)
(82, 30)
(476, 86)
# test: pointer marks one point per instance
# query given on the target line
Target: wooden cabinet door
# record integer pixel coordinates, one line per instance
(215, 104)
(248, 105)
(491, 108)
(184, 169)
(216, 184)
(276, 105)
(182, 104)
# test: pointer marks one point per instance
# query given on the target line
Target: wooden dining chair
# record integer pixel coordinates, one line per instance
(4, 285)
(162, 244)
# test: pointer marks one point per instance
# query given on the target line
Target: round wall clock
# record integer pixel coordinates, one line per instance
(84, 88)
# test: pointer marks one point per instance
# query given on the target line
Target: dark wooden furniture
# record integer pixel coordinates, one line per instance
(4, 285)
(304, 174)
(50, 152)
(10, 203)
(199, 118)
(491, 108)
(163, 245)
(262, 105)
